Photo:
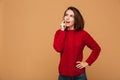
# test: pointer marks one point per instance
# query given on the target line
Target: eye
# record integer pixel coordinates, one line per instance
(66, 15)
(72, 16)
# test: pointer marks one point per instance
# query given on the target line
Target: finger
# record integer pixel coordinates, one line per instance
(78, 62)
(81, 67)
(63, 21)
(63, 24)
(78, 65)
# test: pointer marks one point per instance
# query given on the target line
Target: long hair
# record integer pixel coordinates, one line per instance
(79, 21)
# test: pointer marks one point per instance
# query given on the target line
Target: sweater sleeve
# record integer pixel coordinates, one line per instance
(59, 40)
(93, 45)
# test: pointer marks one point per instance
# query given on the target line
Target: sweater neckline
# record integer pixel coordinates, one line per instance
(70, 30)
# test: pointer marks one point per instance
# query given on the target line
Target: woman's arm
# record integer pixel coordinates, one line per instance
(93, 45)
(59, 40)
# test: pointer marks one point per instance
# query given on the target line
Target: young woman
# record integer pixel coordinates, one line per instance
(70, 41)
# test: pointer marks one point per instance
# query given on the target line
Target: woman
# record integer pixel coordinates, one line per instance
(70, 41)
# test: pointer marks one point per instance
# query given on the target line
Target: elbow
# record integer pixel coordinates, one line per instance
(57, 48)
(98, 49)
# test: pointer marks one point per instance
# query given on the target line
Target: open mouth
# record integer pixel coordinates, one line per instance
(67, 22)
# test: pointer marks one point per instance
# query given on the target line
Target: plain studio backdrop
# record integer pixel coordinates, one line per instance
(27, 29)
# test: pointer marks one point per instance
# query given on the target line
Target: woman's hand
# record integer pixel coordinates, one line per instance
(81, 65)
(63, 26)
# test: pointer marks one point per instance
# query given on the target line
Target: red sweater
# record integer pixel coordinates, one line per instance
(70, 45)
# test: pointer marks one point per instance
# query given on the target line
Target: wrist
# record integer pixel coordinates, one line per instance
(62, 29)
(86, 63)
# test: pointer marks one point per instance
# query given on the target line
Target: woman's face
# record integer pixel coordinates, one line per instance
(69, 19)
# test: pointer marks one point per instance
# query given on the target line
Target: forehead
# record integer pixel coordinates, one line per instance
(69, 12)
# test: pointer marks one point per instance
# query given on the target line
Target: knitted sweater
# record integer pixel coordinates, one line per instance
(70, 44)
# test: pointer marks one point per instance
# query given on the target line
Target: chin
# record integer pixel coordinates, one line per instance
(68, 25)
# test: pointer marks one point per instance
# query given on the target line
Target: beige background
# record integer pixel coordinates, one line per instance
(27, 29)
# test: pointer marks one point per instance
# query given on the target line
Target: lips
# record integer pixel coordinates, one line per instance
(67, 22)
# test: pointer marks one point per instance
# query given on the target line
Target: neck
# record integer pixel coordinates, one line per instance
(71, 28)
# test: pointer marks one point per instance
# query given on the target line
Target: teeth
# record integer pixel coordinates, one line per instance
(67, 22)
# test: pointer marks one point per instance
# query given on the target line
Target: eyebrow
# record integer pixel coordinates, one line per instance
(70, 14)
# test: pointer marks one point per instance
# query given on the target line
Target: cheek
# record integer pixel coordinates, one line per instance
(65, 18)
(72, 21)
